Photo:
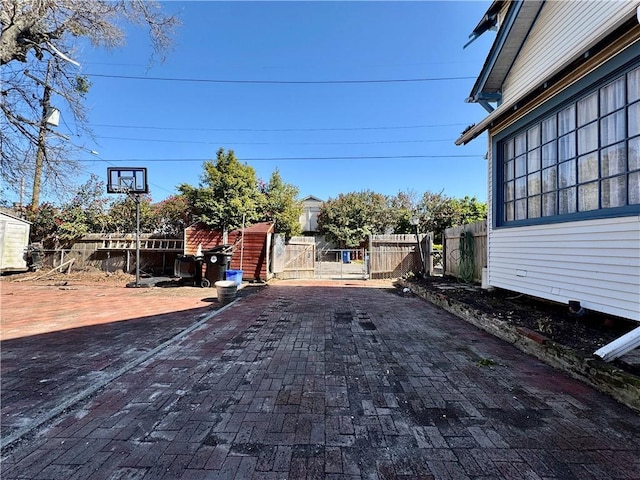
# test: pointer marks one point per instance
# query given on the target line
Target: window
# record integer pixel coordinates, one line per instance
(584, 157)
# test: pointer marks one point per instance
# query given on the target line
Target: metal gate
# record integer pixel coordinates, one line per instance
(342, 264)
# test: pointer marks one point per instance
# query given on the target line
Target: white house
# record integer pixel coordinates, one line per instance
(561, 84)
(310, 209)
(14, 239)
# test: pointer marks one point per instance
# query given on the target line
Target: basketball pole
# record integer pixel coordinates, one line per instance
(137, 199)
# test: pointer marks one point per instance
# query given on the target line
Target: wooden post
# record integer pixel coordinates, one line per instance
(429, 242)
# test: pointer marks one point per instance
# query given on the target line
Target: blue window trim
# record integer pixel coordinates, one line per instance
(627, 60)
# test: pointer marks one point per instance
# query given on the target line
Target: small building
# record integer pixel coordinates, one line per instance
(251, 247)
(310, 210)
(14, 240)
(561, 85)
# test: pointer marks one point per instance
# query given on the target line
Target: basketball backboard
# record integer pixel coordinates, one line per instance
(127, 180)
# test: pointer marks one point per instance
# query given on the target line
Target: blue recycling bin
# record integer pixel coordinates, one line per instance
(346, 256)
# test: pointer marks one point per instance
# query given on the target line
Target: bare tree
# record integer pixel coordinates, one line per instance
(36, 54)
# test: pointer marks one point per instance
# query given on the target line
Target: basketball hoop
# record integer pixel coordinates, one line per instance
(127, 180)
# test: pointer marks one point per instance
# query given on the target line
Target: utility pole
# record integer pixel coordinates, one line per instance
(42, 142)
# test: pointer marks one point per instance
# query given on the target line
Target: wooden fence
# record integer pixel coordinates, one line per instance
(393, 256)
(466, 263)
(295, 259)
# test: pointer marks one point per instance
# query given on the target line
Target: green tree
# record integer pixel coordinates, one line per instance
(44, 223)
(403, 208)
(228, 192)
(437, 212)
(122, 215)
(469, 210)
(350, 218)
(86, 212)
(282, 206)
(171, 215)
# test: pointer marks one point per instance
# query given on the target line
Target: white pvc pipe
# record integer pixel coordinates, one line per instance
(620, 346)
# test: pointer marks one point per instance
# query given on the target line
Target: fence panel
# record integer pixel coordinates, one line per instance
(296, 259)
(454, 263)
(393, 256)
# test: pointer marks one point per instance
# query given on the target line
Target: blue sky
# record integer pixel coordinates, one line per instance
(306, 130)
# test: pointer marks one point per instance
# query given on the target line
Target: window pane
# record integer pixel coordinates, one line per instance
(533, 137)
(588, 167)
(567, 120)
(567, 147)
(588, 109)
(634, 188)
(521, 209)
(549, 129)
(634, 154)
(612, 96)
(549, 204)
(614, 192)
(521, 187)
(533, 183)
(588, 138)
(521, 166)
(508, 150)
(567, 200)
(508, 191)
(588, 197)
(634, 119)
(533, 160)
(508, 212)
(567, 174)
(549, 156)
(534, 206)
(549, 179)
(633, 85)
(521, 144)
(612, 129)
(508, 170)
(613, 160)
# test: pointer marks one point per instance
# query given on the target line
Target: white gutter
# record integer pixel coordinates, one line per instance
(620, 346)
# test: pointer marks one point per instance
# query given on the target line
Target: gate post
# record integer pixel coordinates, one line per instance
(429, 241)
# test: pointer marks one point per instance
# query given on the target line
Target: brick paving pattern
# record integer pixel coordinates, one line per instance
(313, 382)
(57, 343)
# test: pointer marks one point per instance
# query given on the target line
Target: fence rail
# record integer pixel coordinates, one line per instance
(454, 263)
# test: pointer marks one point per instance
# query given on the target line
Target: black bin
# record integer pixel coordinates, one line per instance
(218, 260)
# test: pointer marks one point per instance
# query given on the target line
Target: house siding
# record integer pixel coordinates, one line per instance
(562, 32)
(596, 262)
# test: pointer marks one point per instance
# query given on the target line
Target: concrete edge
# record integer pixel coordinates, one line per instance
(9, 440)
(622, 386)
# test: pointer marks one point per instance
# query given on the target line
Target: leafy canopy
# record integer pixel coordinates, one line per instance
(282, 206)
(350, 218)
(228, 192)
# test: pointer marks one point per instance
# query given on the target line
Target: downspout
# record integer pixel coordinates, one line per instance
(620, 346)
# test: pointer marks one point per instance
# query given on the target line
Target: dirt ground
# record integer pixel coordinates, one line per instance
(92, 276)
(586, 333)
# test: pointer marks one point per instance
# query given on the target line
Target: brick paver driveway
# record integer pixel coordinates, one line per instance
(337, 382)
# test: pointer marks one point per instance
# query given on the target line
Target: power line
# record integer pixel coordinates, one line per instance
(281, 82)
(157, 140)
(392, 157)
(330, 129)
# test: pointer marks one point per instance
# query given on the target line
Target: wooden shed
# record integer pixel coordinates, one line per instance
(14, 239)
(251, 252)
